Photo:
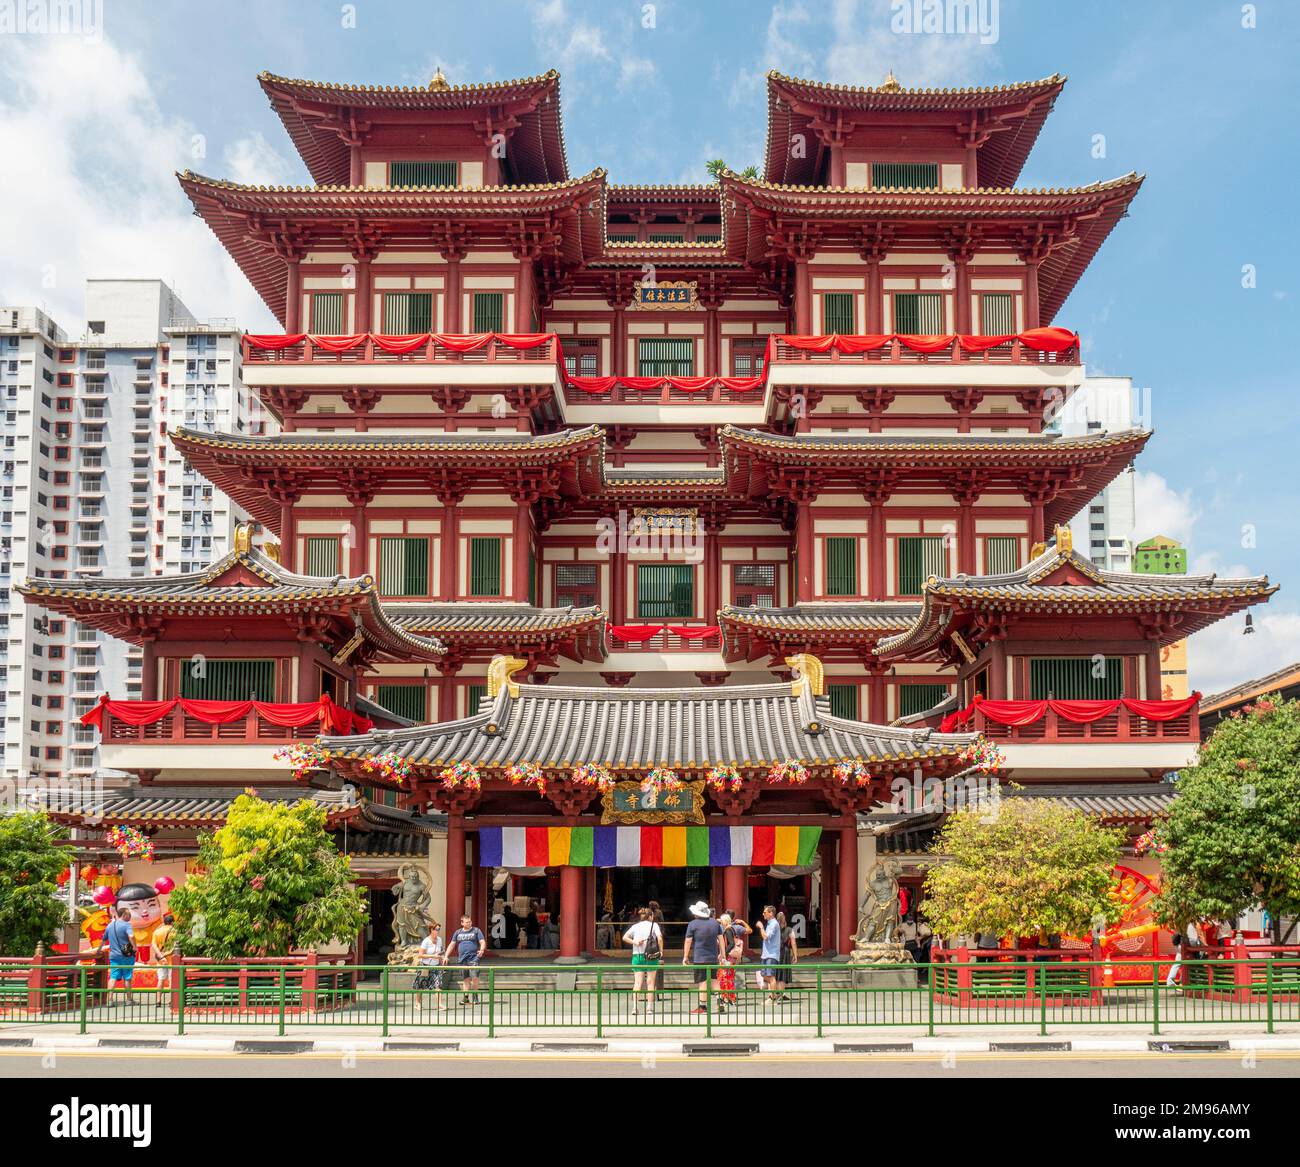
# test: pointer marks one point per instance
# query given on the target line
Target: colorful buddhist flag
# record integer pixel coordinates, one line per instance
(648, 846)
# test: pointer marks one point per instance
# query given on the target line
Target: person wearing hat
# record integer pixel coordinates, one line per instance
(703, 950)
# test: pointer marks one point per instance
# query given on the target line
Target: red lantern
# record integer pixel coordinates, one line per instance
(90, 873)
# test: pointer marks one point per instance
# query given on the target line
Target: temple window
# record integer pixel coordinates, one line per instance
(997, 313)
(747, 357)
(323, 555)
(666, 237)
(905, 175)
(844, 700)
(327, 313)
(485, 566)
(665, 591)
(403, 566)
(405, 700)
(919, 313)
(665, 357)
(576, 585)
(917, 698)
(841, 566)
(1001, 554)
(581, 356)
(753, 585)
(919, 557)
(228, 680)
(423, 173)
(489, 312)
(473, 695)
(837, 312)
(406, 313)
(1076, 678)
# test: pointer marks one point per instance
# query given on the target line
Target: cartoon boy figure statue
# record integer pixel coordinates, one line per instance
(145, 907)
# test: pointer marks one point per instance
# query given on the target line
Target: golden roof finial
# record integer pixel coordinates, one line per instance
(808, 673)
(243, 538)
(890, 84)
(1064, 541)
(439, 84)
(500, 674)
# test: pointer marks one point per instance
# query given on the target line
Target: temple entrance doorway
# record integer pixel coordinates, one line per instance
(622, 890)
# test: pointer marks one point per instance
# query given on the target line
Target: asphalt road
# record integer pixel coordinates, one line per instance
(94, 1064)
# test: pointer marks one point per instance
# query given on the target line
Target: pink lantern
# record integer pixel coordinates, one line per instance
(164, 884)
(104, 896)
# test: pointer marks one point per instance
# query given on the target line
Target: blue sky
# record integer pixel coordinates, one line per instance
(1185, 92)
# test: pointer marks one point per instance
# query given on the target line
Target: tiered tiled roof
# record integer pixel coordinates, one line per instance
(752, 633)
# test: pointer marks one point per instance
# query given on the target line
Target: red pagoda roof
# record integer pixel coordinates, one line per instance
(262, 226)
(1003, 120)
(1062, 227)
(320, 117)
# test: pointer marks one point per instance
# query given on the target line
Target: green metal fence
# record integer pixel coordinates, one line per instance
(811, 999)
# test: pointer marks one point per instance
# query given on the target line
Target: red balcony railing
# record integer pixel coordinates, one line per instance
(666, 394)
(1120, 726)
(896, 352)
(177, 728)
(372, 350)
(701, 638)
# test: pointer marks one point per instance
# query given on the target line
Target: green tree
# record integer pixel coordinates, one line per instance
(1030, 867)
(1231, 840)
(271, 880)
(716, 166)
(30, 863)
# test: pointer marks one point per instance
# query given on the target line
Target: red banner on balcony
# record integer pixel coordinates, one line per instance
(459, 342)
(1051, 340)
(332, 718)
(640, 633)
(1016, 713)
(647, 384)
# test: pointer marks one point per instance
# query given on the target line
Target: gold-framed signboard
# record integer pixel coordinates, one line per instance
(627, 803)
(659, 295)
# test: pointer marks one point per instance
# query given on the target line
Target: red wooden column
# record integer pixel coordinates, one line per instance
(618, 584)
(877, 584)
(527, 289)
(455, 872)
(570, 915)
(357, 548)
(735, 889)
(712, 569)
(522, 544)
(829, 916)
(447, 540)
(590, 909)
(292, 295)
(848, 892)
(1154, 681)
(363, 294)
(875, 298)
(1037, 529)
(618, 345)
(961, 316)
(451, 293)
(877, 698)
(1031, 294)
(804, 550)
(803, 324)
(448, 668)
(966, 538)
(149, 672)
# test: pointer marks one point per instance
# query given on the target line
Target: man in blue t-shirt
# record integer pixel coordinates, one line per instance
(119, 939)
(467, 945)
(769, 927)
(703, 950)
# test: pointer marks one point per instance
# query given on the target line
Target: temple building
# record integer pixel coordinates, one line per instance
(629, 542)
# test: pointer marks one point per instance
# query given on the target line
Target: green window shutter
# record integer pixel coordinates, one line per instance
(842, 566)
(997, 314)
(844, 701)
(323, 555)
(576, 585)
(403, 566)
(485, 566)
(474, 695)
(1001, 554)
(665, 591)
(668, 237)
(917, 698)
(406, 313)
(919, 313)
(405, 700)
(622, 238)
(229, 680)
(327, 313)
(666, 357)
(919, 557)
(1076, 678)
(423, 173)
(837, 312)
(489, 312)
(905, 175)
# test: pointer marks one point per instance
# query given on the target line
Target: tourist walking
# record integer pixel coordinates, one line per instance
(161, 946)
(770, 953)
(703, 950)
(467, 944)
(647, 941)
(119, 939)
(789, 955)
(733, 948)
(428, 978)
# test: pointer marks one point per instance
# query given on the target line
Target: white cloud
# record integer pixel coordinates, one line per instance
(1162, 510)
(89, 188)
(865, 47)
(1222, 656)
(254, 160)
(585, 52)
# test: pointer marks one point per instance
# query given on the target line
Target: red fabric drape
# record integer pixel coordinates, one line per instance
(635, 633)
(694, 631)
(926, 344)
(400, 344)
(338, 344)
(332, 718)
(685, 384)
(275, 343)
(462, 342)
(1039, 339)
(1078, 712)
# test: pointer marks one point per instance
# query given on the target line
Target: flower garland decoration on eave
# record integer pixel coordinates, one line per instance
(659, 779)
(594, 774)
(461, 776)
(129, 842)
(984, 755)
(391, 767)
(1150, 841)
(526, 774)
(724, 778)
(853, 773)
(303, 758)
(794, 773)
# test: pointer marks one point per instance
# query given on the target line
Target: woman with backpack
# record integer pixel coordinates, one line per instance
(647, 941)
